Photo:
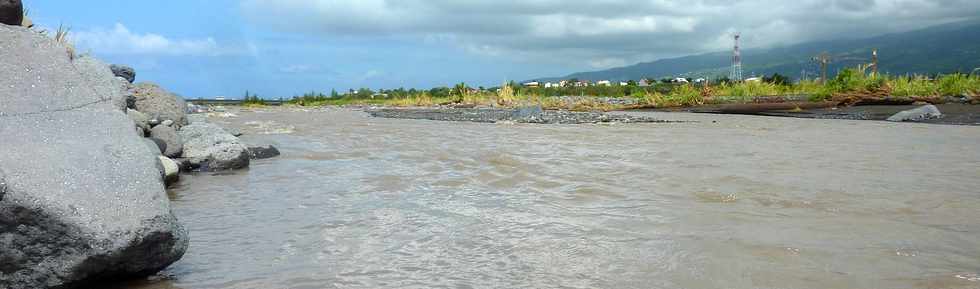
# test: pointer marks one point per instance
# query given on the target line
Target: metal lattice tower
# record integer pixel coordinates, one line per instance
(736, 74)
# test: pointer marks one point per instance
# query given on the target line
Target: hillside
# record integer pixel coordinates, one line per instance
(940, 49)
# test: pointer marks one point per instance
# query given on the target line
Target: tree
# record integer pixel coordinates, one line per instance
(460, 91)
(334, 94)
(776, 78)
(252, 99)
(631, 83)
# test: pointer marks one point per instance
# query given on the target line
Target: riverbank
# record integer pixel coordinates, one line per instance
(87, 156)
(953, 113)
(849, 87)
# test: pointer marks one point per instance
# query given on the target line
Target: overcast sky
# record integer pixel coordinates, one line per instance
(286, 47)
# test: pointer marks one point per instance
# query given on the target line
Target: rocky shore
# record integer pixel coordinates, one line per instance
(531, 114)
(86, 159)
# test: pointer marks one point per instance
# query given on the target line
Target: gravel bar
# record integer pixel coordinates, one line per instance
(534, 115)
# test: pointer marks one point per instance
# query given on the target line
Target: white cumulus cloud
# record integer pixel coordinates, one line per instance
(121, 41)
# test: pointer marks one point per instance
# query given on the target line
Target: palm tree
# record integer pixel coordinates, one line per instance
(460, 91)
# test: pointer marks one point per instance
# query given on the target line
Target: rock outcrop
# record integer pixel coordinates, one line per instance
(142, 121)
(922, 113)
(157, 147)
(123, 71)
(82, 199)
(102, 81)
(210, 148)
(11, 12)
(169, 136)
(159, 104)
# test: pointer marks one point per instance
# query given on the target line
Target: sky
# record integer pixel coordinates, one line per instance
(281, 48)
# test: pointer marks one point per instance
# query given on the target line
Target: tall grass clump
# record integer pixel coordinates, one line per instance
(252, 100)
(683, 95)
(61, 36)
(421, 100)
(911, 86)
(506, 95)
(746, 91)
(958, 84)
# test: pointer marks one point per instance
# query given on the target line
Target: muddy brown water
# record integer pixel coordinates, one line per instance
(723, 201)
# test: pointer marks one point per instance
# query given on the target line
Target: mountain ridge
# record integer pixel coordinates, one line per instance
(943, 48)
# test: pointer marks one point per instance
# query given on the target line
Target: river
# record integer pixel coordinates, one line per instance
(719, 201)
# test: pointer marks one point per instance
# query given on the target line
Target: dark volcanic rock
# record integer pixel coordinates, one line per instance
(159, 104)
(11, 12)
(83, 200)
(261, 153)
(123, 71)
(210, 148)
(168, 135)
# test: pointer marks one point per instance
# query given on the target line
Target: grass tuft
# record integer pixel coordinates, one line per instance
(61, 36)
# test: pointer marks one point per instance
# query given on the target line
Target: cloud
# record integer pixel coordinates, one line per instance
(299, 69)
(600, 33)
(120, 40)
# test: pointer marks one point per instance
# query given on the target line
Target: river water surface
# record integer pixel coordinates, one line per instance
(719, 202)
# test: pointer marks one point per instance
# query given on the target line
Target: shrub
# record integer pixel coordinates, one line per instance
(958, 84)
(909, 86)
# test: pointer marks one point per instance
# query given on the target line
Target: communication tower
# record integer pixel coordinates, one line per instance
(736, 74)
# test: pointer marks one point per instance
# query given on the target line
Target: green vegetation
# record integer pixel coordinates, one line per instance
(252, 100)
(61, 36)
(849, 86)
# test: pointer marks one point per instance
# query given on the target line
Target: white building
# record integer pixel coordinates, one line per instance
(603, 83)
(532, 84)
(681, 80)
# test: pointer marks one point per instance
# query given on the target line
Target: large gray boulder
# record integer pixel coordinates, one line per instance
(169, 136)
(141, 120)
(102, 81)
(156, 146)
(210, 148)
(126, 72)
(11, 12)
(82, 199)
(160, 104)
(922, 113)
